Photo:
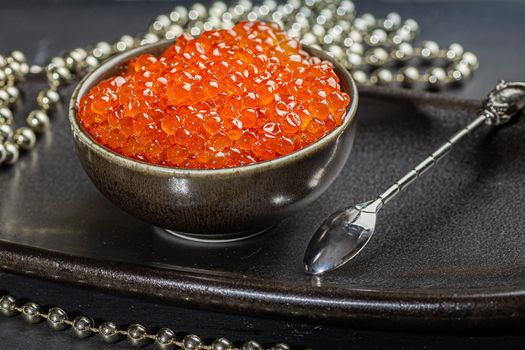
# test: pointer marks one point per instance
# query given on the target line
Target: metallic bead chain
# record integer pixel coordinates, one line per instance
(136, 334)
(370, 48)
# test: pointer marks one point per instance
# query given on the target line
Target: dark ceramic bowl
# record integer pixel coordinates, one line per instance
(219, 204)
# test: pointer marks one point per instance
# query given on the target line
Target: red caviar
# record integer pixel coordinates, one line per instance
(228, 98)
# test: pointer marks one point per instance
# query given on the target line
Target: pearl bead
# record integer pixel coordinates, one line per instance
(360, 77)
(12, 152)
(38, 120)
(7, 302)
(91, 63)
(280, 346)
(6, 116)
(6, 133)
(429, 50)
(108, 332)
(471, 60)
(436, 77)
(56, 318)
(336, 52)
(400, 36)
(221, 344)
(102, 50)
(382, 76)
(459, 72)
(164, 339)
(411, 25)
(16, 71)
(31, 312)
(454, 52)
(191, 342)
(173, 32)
(318, 31)
(376, 56)
(137, 335)
(3, 61)
(82, 326)
(409, 75)
(369, 19)
(24, 138)
(13, 93)
(149, 38)
(308, 39)
(217, 9)
(251, 345)
(345, 10)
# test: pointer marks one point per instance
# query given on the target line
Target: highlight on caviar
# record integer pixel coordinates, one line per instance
(227, 98)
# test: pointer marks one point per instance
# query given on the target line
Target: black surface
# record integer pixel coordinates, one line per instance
(490, 29)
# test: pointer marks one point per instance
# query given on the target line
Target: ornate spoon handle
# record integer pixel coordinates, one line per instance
(503, 102)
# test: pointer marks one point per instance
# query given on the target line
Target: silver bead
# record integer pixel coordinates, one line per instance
(91, 63)
(24, 138)
(38, 120)
(58, 76)
(377, 37)
(137, 335)
(280, 346)
(164, 339)
(391, 22)
(6, 116)
(403, 52)
(3, 155)
(31, 312)
(82, 326)
(191, 342)
(16, 56)
(125, 43)
(471, 60)
(160, 24)
(102, 50)
(221, 344)
(454, 52)
(179, 15)
(6, 133)
(56, 319)
(459, 72)
(13, 93)
(251, 345)
(336, 52)
(3, 78)
(353, 61)
(149, 38)
(376, 56)
(382, 76)
(108, 332)
(7, 302)
(436, 77)
(48, 99)
(409, 75)
(345, 10)
(75, 60)
(12, 153)
(4, 98)
(411, 25)
(429, 50)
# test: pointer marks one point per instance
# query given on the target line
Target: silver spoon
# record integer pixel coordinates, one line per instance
(346, 232)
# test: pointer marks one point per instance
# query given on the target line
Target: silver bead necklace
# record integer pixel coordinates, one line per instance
(376, 51)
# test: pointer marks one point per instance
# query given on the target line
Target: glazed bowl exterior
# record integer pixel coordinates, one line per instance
(213, 204)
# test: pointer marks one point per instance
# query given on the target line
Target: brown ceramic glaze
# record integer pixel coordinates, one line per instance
(218, 203)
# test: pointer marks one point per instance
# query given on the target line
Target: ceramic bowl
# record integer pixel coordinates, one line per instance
(219, 204)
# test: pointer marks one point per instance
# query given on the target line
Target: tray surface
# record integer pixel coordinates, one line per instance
(449, 251)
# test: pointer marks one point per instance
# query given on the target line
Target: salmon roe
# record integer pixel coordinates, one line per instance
(224, 99)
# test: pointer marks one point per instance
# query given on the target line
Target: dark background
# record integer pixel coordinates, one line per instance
(494, 30)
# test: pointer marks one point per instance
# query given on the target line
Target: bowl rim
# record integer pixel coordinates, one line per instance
(121, 160)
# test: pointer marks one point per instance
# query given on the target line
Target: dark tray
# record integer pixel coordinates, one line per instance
(449, 253)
